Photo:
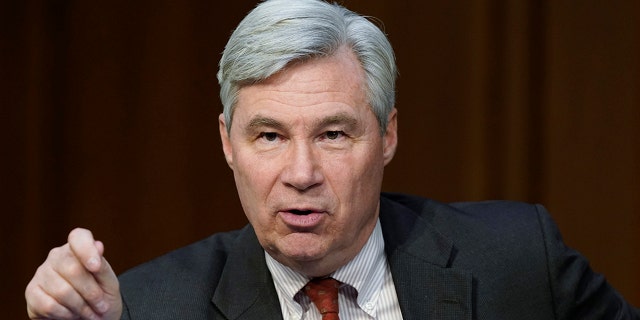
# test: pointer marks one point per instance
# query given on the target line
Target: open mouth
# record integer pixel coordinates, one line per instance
(301, 212)
(302, 219)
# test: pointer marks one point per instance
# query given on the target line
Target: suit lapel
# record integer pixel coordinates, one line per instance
(419, 258)
(246, 290)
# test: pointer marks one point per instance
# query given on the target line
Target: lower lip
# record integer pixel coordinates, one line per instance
(302, 221)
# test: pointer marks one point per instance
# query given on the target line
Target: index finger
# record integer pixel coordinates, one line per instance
(85, 248)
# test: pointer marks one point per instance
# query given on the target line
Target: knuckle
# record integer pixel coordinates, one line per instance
(77, 232)
(32, 301)
(55, 252)
(30, 290)
(72, 269)
(86, 312)
(72, 235)
(61, 293)
(39, 277)
(93, 294)
(58, 254)
(48, 307)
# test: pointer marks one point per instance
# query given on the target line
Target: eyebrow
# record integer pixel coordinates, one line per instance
(262, 121)
(341, 118)
(337, 119)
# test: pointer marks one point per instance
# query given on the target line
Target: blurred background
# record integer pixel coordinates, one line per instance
(109, 109)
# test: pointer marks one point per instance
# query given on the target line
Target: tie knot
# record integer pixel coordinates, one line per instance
(324, 294)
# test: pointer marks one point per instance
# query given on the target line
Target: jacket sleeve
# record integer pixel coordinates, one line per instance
(125, 311)
(578, 292)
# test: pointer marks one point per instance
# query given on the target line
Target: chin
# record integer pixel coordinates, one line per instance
(301, 248)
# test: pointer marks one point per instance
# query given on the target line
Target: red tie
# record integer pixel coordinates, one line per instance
(324, 294)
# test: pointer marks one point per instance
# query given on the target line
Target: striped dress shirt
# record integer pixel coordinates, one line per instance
(367, 290)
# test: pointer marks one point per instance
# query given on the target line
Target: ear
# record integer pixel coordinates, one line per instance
(390, 138)
(226, 141)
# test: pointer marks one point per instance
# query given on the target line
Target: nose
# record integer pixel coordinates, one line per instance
(303, 168)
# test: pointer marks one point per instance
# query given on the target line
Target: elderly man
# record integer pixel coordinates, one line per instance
(308, 126)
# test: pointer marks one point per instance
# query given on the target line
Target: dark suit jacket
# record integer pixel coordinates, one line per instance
(488, 260)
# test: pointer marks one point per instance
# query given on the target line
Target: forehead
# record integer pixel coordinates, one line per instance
(334, 80)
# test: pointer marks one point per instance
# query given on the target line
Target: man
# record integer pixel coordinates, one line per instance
(308, 126)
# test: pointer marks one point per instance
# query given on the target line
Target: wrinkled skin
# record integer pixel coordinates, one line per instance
(308, 159)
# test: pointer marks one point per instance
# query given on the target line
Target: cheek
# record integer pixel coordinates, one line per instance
(252, 182)
(252, 169)
(363, 165)
(356, 178)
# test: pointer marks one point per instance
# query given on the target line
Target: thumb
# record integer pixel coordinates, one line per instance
(106, 277)
(108, 281)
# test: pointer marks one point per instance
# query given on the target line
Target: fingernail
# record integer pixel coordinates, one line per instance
(102, 306)
(93, 262)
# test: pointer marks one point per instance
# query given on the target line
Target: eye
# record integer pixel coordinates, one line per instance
(333, 135)
(269, 136)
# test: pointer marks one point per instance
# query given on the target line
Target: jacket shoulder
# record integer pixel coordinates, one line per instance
(515, 253)
(497, 214)
(186, 259)
(184, 279)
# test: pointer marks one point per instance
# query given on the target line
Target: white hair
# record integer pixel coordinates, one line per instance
(278, 32)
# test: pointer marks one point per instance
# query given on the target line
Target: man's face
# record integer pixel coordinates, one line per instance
(308, 158)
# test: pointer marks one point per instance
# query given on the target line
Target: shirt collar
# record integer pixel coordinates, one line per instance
(365, 272)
